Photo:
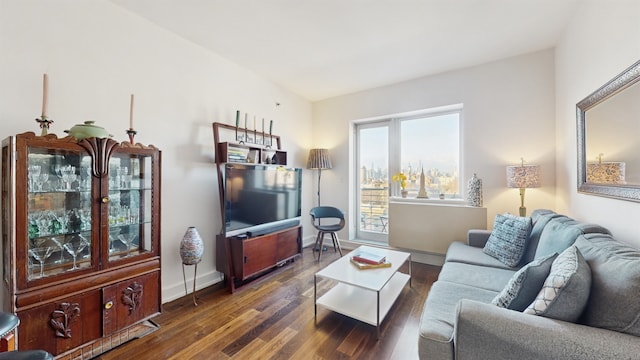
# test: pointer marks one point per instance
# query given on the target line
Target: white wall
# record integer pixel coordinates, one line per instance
(508, 114)
(600, 42)
(96, 55)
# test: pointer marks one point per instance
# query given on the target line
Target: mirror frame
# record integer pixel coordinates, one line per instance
(615, 86)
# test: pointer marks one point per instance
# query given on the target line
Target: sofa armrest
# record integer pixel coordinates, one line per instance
(485, 331)
(477, 237)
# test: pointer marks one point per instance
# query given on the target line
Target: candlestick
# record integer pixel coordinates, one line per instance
(45, 94)
(44, 124)
(245, 127)
(270, 133)
(237, 122)
(43, 121)
(131, 114)
(132, 133)
(263, 137)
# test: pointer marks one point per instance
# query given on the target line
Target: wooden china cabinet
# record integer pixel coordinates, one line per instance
(80, 241)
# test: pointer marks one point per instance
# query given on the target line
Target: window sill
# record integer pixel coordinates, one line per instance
(430, 201)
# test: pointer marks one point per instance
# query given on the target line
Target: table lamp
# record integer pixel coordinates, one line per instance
(522, 177)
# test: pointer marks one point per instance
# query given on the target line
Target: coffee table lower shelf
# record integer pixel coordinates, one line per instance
(361, 304)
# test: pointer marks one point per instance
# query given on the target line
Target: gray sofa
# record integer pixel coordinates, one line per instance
(459, 320)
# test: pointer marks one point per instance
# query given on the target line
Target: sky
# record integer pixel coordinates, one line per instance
(428, 141)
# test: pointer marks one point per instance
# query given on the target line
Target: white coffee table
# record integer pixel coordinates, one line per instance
(365, 295)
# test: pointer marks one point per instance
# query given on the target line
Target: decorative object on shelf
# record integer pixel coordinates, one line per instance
(43, 120)
(606, 172)
(246, 133)
(131, 132)
(237, 124)
(191, 250)
(522, 177)
(474, 191)
(422, 194)
(88, 130)
(318, 160)
(401, 178)
(270, 134)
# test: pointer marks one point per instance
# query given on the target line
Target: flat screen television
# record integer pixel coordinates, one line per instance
(261, 198)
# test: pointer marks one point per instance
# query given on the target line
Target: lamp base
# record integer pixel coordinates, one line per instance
(523, 211)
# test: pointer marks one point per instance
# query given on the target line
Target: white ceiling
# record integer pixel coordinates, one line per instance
(324, 48)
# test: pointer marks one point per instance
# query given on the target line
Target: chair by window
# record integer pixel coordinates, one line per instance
(327, 220)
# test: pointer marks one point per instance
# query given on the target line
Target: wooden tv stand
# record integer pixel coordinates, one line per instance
(248, 258)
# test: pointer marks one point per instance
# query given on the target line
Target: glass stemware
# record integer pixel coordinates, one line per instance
(75, 246)
(41, 255)
(127, 239)
(114, 232)
(40, 180)
(34, 173)
(58, 240)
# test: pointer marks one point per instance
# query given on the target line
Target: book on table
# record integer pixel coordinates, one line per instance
(363, 266)
(366, 257)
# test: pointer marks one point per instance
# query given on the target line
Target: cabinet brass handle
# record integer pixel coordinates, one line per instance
(105, 200)
(108, 305)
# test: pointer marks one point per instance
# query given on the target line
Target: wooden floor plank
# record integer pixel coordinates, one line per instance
(273, 318)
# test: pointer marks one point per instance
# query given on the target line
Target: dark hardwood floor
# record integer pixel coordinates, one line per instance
(272, 318)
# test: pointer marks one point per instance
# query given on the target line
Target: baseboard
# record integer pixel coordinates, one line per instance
(176, 291)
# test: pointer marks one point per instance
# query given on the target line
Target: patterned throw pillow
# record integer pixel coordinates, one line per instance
(525, 284)
(508, 238)
(565, 292)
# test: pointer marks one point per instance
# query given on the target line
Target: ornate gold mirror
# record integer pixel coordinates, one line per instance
(608, 122)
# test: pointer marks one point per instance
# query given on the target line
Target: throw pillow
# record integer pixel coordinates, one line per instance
(566, 290)
(508, 238)
(525, 284)
(615, 284)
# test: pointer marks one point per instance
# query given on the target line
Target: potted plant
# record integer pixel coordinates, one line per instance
(402, 179)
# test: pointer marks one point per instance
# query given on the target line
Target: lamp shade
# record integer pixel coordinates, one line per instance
(319, 159)
(523, 176)
(606, 173)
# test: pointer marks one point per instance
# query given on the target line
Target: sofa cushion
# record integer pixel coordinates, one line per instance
(561, 232)
(439, 316)
(484, 277)
(508, 238)
(557, 236)
(566, 290)
(463, 253)
(525, 284)
(615, 285)
(539, 218)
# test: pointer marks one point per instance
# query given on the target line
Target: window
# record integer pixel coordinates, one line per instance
(425, 142)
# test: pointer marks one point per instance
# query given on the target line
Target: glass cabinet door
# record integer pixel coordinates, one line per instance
(59, 186)
(130, 205)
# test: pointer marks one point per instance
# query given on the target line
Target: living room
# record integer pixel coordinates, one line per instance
(97, 53)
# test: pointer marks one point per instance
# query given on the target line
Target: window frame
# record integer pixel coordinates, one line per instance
(394, 157)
